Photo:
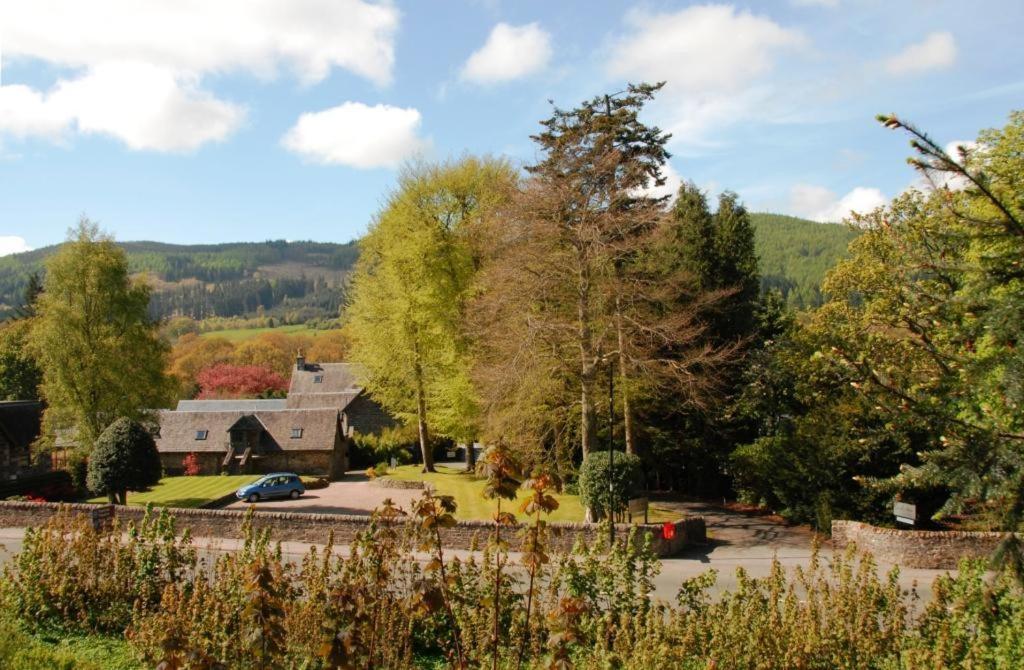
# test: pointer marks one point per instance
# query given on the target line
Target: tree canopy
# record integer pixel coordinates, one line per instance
(411, 288)
(98, 349)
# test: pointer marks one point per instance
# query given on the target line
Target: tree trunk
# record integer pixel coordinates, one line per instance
(421, 422)
(470, 457)
(627, 412)
(112, 497)
(588, 418)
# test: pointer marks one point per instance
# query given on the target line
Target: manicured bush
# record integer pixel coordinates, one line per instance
(593, 484)
(124, 459)
(312, 483)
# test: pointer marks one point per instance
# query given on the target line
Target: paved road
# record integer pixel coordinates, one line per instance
(735, 540)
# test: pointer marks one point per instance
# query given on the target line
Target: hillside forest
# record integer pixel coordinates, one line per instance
(278, 282)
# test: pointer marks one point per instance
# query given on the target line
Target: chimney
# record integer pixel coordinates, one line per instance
(300, 361)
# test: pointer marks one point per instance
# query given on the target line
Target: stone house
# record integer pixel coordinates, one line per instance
(308, 432)
(228, 439)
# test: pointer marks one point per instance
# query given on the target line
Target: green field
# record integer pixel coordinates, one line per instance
(242, 334)
(467, 491)
(186, 491)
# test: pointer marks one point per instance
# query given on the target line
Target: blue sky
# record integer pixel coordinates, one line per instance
(192, 122)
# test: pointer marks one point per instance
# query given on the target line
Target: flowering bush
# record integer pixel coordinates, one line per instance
(190, 464)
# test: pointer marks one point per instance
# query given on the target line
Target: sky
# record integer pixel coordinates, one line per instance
(190, 121)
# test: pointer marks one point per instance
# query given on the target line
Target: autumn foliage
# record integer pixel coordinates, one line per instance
(225, 380)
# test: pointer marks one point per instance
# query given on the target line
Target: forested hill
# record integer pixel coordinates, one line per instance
(300, 281)
(796, 253)
(297, 279)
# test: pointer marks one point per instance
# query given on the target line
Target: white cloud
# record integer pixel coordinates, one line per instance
(671, 185)
(821, 204)
(715, 59)
(12, 244)
(935, 52)
(357, 135)
(138, 68)
(510, 52)
(308, 36)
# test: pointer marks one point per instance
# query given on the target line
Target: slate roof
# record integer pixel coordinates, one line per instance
(320, 429)
(20, 421)
(239, 405)
(336, 377)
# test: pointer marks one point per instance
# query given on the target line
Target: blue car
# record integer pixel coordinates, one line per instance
(274, 485)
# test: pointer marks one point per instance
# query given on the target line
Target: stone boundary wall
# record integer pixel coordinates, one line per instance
(315, 528)
(929, 549)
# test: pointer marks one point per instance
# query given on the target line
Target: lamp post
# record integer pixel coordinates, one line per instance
(611, 452)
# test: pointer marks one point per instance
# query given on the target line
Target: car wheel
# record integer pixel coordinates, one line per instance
(295, 494)
(254, 497)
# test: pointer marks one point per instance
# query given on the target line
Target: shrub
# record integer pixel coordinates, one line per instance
(312, 483)
(190, 465)
(389, 443)
(381, 469)
(124, 459)
(69, 575)
(593, 485)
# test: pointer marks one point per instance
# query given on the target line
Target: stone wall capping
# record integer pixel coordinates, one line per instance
(927, 549)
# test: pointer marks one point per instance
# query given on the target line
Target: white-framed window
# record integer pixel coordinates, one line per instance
(202, 434)
(296, 433)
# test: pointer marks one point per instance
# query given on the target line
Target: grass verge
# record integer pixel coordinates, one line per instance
(467, 490)
(20, 650)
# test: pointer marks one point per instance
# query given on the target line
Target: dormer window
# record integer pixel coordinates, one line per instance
(318, 379)
(202, 434)
(296, 433)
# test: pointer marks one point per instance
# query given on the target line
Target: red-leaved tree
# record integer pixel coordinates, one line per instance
(240, 381)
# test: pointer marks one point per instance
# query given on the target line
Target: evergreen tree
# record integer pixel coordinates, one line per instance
(123, 459)
(736, 269)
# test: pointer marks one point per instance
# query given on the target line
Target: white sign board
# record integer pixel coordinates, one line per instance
(905, 513)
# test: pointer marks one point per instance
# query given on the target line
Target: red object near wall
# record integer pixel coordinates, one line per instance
(668, 530)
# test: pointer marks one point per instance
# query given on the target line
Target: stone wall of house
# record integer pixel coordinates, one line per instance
(316, 528)
(209, 462)
(300, 462)
(941, 550)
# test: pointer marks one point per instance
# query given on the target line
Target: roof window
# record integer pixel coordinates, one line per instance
(296, 433)
(318, 379)
(202, 434)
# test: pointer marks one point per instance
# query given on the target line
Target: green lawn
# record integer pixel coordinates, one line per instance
(241, 334)
(467, 489)
(187, 491)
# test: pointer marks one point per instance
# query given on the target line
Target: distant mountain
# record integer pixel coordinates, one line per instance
(233, 279)
(796, 253)
(300, 281)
